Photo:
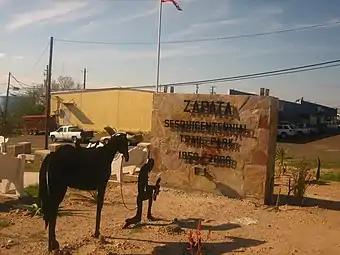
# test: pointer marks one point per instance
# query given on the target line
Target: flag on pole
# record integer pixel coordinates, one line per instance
(174, 2)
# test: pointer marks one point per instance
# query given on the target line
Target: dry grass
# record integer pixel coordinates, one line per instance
(31, 167)
(327, 149)
(4, 223)
(331, 176)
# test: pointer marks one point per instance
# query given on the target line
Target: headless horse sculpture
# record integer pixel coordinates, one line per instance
(145, 192)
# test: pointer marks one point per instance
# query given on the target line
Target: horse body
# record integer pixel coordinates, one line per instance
(79, 168)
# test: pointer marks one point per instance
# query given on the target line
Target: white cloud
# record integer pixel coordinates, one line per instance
(18, 58)
(270, 11)
(95, 24)
(186, 1)
(263, 18)
(334, 20)
(204, 26)
(2, 55)
(167, 51)
(56, 13)
(134, 16)
(3, 2)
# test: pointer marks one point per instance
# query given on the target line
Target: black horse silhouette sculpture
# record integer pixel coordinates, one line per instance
(79, 168)
(145, 192)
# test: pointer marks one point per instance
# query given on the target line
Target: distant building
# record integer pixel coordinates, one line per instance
(300, 111)
(93, 109)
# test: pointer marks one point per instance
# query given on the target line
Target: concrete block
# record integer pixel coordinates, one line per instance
(54, 146)
(27, 147)
(12, 171)
(39, 156)
(15, 150)
(28, 157)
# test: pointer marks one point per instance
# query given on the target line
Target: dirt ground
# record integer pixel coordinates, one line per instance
(237, 226)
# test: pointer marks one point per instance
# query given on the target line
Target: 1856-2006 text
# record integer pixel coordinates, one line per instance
(210, 159)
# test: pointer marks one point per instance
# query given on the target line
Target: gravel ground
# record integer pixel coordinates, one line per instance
(236, 226)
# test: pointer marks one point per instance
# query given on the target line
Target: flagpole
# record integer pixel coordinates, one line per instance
(159, 43)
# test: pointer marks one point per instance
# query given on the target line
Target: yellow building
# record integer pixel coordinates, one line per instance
(93, 109)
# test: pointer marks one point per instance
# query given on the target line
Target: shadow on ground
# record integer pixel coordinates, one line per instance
(302, 139)
(190, 223)
(171, 248)
(10, 203)
(309, 202)
(320, 182)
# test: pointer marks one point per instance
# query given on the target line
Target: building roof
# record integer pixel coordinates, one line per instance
(301, 101)
(99, 90)
(238, 92)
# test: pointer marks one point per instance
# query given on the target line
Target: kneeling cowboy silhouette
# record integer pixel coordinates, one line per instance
(145, 192)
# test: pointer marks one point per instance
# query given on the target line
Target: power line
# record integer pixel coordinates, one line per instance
(281, 31)
(21, 84)
(130, 0)
(297, 69)
(41, 56)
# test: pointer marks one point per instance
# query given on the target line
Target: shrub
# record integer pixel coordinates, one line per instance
(281, 160)
(301, 176)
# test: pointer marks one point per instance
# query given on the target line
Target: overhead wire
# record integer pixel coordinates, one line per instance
(21, 84)
(297, 69)
(280, 31)
(41, 56)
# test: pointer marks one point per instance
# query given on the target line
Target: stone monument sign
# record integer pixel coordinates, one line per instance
(216, 143)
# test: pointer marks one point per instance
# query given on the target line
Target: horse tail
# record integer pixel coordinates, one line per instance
(44, 191)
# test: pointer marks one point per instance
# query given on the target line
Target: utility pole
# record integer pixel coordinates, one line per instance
(197, 87)
(212, 91)
(45, 82)
(48, 93)
(7, 97)
(4, 124)
(85, 72)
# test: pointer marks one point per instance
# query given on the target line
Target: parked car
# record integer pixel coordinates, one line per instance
(302, 129)
(313, 128)
(332, 124)
(133, 138)
(71, 133)
(285, 130)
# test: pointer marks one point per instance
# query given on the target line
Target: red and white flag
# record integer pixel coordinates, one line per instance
(174, 2)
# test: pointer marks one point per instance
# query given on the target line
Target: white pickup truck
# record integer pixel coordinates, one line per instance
(71, 133)
(285, 130)
(302, 129)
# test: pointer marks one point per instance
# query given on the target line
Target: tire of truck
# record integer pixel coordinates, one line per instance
(74, 139)
(53, 138)
(283, 135)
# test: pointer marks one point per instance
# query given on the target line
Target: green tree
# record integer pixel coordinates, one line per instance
(63, 83)
(31, 101)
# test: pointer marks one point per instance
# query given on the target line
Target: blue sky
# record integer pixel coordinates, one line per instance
(26, 25)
